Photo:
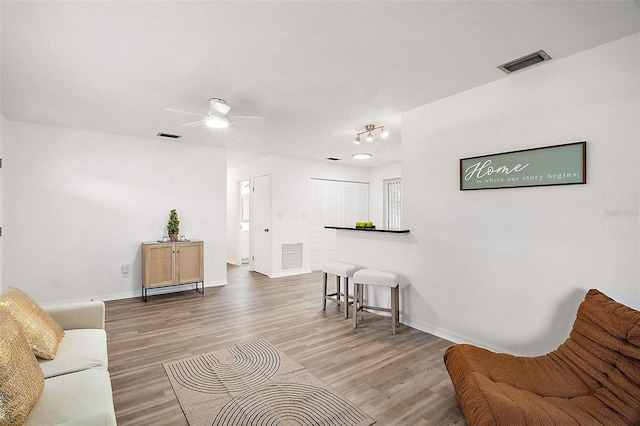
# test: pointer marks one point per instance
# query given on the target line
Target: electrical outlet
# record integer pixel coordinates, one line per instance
(124, 270)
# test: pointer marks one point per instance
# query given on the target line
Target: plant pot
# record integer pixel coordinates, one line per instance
(174, 237)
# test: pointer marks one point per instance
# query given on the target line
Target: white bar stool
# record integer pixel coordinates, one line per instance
(381, 279)
(338, 269)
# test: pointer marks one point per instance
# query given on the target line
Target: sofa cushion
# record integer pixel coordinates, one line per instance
(41, 331)
(21, 380)
(77, 314)
(82, 398)
(79, 350)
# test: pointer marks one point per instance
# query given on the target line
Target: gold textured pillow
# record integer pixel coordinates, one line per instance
(21, 378)
(41, 331)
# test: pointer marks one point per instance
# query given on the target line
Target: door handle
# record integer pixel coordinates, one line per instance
(266, 229)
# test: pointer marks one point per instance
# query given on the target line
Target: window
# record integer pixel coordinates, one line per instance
(392, 205)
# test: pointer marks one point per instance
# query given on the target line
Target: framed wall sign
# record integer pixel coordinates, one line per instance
(550, 165)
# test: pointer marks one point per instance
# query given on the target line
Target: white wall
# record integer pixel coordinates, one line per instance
(2, 180)
(507, 268)
(78, 204)
(291, 202)
(2, 121)
(376, 176)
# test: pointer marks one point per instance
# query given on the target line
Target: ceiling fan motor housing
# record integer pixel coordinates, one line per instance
(219, 105)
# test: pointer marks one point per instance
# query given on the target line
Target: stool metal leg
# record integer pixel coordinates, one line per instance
(338, 289)
(357, 288)
(398, 304)
(324, 291)
(394, 303)
(346, 297)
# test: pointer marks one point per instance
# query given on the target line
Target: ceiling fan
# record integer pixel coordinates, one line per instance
(216, 117)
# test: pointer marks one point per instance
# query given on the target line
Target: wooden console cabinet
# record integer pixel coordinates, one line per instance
(172, 263)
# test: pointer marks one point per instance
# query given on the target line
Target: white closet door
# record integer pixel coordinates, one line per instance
(326, 211)
(355, 203)
(334, 203)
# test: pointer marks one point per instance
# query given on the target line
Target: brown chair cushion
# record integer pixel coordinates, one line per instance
(592, 378)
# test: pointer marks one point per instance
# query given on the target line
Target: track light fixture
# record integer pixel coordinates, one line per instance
(368, 129)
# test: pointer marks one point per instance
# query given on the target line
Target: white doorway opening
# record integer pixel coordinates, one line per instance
(244, 221)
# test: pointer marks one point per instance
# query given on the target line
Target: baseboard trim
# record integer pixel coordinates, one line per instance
(138, 293)
(454, 338)
(290, 273)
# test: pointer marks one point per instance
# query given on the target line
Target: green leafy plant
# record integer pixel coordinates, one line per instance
(364, 224)
(173, 225)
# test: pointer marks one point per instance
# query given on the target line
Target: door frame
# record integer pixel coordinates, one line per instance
(239, 220)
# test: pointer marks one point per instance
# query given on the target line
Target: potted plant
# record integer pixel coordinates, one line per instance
(173, 225)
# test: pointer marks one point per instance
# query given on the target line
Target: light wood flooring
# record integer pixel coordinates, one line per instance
(397, 380)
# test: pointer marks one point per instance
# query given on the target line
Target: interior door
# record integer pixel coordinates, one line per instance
(261, 224)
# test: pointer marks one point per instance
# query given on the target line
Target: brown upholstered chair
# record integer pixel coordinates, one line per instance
(593, 378)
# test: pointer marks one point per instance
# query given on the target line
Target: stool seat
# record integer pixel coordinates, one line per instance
(340, 269)
(372, 277)
(381, 279)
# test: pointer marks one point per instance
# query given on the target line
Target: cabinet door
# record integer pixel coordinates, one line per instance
(189, 263)
(157, 265)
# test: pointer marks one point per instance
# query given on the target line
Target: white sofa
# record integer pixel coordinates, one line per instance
(77, 387)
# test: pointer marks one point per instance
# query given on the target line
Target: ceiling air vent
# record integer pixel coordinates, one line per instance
(332, 159)
(169, 135)
(525, 61)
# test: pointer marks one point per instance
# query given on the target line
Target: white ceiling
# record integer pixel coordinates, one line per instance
(317, 72)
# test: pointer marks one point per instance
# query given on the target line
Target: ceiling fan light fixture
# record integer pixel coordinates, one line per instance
(357, 140)
(369, 137)
(216, 118)
(361, 156)
(384, 133)
(217, 122)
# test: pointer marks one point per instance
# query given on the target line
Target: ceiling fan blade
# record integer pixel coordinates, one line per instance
(184, 112)
(195, 122)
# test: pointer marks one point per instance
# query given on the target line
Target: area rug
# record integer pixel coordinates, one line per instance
(255, 384)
